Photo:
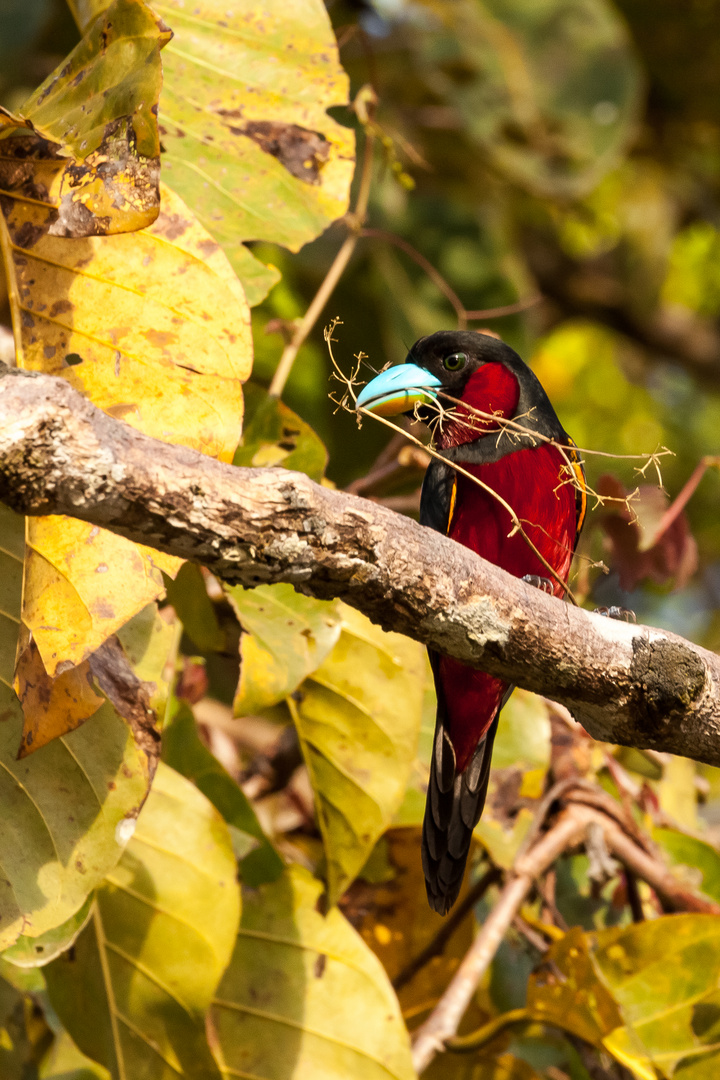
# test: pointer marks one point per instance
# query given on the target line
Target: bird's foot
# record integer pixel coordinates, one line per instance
(615, 612)
(542, 583)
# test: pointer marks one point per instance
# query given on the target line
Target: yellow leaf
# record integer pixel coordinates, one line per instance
(153, 328)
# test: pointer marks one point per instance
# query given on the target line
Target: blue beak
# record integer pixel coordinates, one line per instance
(399, 390)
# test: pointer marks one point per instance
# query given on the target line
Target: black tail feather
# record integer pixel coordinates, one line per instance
(454, 804)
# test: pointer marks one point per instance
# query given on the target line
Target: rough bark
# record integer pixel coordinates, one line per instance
(626, 684)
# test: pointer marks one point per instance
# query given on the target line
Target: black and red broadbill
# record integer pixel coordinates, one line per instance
(544, 485)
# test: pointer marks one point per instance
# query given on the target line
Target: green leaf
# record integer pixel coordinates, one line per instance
(36, 952)
(150, 643)
(304, 996)
(664, 976)
(521, 757)
(676, 791)
(287, 637)
(693, 270)
(550, 91)
(26, 980)
(188, 595)
(185, 752)
(274, 435)
(12, 558)
(523, 738)
(134, 991)
(502, 841)
(358, 719)
(698, 859)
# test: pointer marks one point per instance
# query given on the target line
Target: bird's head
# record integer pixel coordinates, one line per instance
(470, 367)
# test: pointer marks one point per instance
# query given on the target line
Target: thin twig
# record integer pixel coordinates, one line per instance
(531, 935)
(461, 312)
(436, 945)
(444, 1020)
(333, 275)
(673, 893)
(506, 309)
(513, 425)
(435, 276)
(633, 895)
(517, 523)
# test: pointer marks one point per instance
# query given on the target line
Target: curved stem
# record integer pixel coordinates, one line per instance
(506, 309)
(467, 1044)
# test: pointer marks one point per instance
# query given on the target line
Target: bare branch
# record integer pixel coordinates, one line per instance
(627, 684)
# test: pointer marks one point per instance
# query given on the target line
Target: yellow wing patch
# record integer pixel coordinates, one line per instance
(453, 498)
(581, 487)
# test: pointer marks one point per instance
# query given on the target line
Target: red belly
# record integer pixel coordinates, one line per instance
(535, 484)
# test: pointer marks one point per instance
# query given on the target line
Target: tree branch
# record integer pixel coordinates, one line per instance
(626, 684)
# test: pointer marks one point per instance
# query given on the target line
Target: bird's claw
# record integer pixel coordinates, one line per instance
(615, 612)
(542, 583)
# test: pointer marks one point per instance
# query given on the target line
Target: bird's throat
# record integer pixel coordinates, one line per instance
(492, 390)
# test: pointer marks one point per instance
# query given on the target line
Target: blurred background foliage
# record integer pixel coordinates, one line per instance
(561, 157)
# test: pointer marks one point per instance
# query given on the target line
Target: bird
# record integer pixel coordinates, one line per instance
(533, 465)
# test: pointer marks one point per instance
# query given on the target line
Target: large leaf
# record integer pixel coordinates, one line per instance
(248, 142)
(287, 637)
(65, 812)
(12, 556)
(134, 991)
(304, 996)
(169, 359)
(358, 719)
(94, 157)
(188, 595)
(185, 752)
(568, 992)
(551, 91)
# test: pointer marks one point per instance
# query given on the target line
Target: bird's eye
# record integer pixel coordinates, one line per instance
(455, 361)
